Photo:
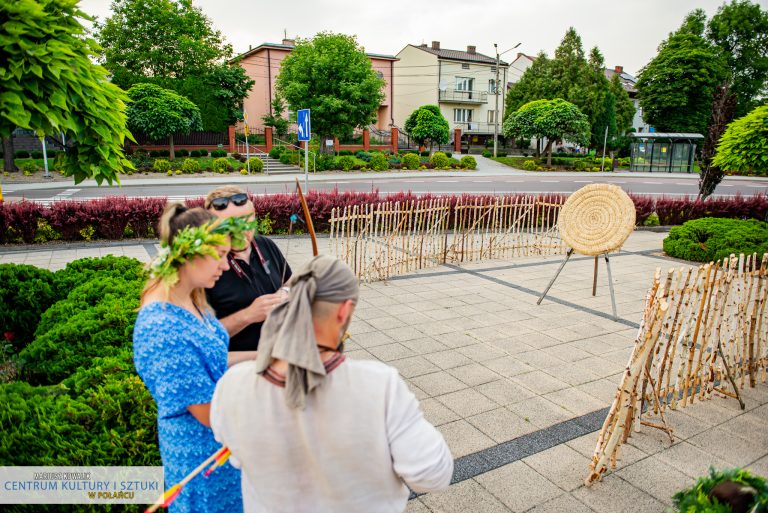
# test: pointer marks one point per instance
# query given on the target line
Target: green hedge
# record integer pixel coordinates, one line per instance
(711, 238)
(82, 403)
(25, 292)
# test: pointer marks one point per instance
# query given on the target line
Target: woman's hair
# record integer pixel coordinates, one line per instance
(175, 218)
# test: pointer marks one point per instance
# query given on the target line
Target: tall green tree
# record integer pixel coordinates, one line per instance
(744, 146)
(739, 30)
(161, 113)
(331, 75)
(556, 120)
(427, 123)
(173, 44)
(535, 84)
(676, 88)
(50, 84)
(159, 38)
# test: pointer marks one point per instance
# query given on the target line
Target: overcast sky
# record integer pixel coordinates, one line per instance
(626, 31)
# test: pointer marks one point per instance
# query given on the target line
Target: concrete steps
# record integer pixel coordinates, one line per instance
(275, 167)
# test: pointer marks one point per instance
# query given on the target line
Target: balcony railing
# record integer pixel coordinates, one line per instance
(475, 128)
(457, 96)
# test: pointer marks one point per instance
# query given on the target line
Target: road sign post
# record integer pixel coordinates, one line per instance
(304, 134)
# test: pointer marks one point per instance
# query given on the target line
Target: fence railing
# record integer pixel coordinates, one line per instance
(387, 239)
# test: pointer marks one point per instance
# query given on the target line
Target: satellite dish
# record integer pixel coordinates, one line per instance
(442, 86)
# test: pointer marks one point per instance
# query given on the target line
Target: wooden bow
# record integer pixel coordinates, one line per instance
(307, 218)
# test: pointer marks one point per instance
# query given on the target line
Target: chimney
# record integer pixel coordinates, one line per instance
(435, 45)
(289, 42)
(471, 49)
(619, 69)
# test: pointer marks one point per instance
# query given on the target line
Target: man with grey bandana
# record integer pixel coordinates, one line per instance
(314, 431)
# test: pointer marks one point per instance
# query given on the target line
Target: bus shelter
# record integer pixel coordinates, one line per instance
(659, 151)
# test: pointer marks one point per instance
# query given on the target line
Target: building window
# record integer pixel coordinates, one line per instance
(465, 66)
(492, 86)
(491, 114)
(462, 115)
(464, 83)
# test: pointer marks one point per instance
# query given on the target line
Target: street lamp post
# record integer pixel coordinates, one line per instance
(496, 92)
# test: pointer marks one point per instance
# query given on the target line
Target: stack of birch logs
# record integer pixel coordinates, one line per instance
(704, 331)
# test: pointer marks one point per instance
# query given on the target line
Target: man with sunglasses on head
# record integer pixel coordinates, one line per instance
(254, 283)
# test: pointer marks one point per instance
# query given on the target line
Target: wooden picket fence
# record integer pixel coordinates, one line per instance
(704, 331)
(387, 239)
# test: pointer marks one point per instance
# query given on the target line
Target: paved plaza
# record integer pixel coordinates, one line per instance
(518, 390)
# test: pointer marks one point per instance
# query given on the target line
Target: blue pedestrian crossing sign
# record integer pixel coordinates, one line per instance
(302, 121)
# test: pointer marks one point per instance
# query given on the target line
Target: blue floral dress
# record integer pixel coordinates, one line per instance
(180, 358)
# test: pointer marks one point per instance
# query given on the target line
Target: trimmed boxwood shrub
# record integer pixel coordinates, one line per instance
(161, 166)
(26, 292)
(710, 239)
(190, 166)
(440, 160)
(379, 162)
(411, 161)
(468, 162)
(221, 165)
(345, 162)
(256, 164)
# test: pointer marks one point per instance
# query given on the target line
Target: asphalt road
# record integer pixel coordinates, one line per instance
(672, 186)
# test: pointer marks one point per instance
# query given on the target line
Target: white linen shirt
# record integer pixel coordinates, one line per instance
(360, 436)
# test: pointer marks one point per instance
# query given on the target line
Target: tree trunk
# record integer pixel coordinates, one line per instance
(170, 141)
(723, 108)
(8, 152)
(548, 151)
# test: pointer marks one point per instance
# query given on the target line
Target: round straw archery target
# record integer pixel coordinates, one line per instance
(597, 219)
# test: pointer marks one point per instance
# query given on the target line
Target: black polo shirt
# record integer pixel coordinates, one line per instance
(233, 293)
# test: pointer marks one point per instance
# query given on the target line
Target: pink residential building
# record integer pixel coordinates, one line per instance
(262, 64)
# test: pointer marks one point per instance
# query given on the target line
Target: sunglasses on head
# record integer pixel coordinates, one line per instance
(238, 200)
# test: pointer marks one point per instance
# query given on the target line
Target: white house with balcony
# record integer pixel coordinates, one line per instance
(462, 83)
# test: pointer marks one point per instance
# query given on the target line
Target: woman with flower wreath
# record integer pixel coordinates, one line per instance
(180, 350)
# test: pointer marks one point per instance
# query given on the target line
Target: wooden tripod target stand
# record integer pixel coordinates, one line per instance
(594, 221)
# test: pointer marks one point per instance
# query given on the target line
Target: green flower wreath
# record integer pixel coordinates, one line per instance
(194, 241)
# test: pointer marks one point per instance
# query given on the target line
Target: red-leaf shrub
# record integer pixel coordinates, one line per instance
(110, 216)
(23, 217)
(4, 223)
(68, 218)
(143, 214)
(644, 207)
